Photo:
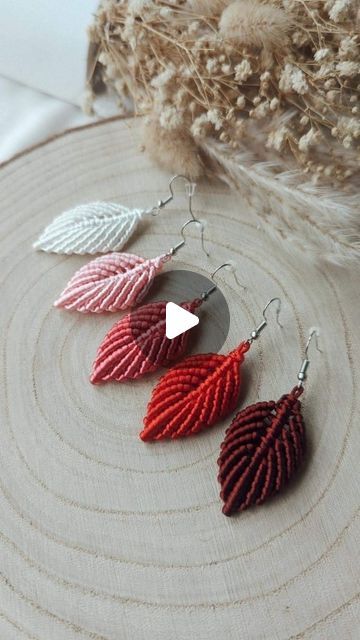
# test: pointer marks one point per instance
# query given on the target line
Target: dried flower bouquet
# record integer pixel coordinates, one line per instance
(263, 93)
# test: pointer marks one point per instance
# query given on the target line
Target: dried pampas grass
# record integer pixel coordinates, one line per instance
(305, 215)
(248, 81)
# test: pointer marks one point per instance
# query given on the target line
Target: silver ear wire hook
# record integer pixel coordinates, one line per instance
(208, 293)
(302, 375)
(181, 244)
(314, 331)
(189, 187)
(277, 310)
(190, 190)
(255, 334)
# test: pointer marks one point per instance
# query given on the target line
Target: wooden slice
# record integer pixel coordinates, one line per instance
(105, 537)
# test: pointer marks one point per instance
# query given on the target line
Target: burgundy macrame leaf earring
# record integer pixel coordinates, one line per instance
(137, 344)
(198, 391)
(116, 281)
(263, 448)
(99, 227)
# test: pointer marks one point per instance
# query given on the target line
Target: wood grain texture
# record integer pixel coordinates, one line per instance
(105, 537)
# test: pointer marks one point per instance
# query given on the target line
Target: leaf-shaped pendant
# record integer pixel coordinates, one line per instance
(110, 283)
(97, 227)
(262, 449)
(194, 394)
(137, 344)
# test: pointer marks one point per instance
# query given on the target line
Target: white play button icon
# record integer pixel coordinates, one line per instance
(178, 320)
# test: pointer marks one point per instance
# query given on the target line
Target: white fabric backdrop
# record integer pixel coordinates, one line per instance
(42, 69)
(44, 45)
(28, 116)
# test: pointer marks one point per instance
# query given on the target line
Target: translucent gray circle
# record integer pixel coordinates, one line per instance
(214, 317)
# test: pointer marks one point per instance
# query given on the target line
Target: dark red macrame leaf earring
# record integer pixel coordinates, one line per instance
(263, 448)
(197, 392)
(137, 344)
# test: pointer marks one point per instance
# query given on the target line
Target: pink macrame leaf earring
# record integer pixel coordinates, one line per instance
(137, 344)
(99, 227)
(197, 392)
(263, 448)
(116, 281)
(110, 283)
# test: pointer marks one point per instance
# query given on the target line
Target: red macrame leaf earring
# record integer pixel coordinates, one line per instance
(198, 392)
(137, 344)
(116, 281)
(262, 450)
(194, 394)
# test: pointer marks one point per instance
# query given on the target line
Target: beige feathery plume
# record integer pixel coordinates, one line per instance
(207, 7)
(256, 25)
(173, 148)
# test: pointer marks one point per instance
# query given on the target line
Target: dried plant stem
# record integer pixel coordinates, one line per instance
(280, 78)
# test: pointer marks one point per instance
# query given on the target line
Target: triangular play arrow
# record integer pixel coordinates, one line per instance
(178, 320)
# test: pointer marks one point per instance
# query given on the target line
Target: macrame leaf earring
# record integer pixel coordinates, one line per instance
(194, 394)
(197, 392)
(98, 227)
(116, 281)
(110, 283)
(137, 344)
(263, 448)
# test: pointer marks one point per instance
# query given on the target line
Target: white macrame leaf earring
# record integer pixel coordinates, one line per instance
(97, 227)
(92, 228)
